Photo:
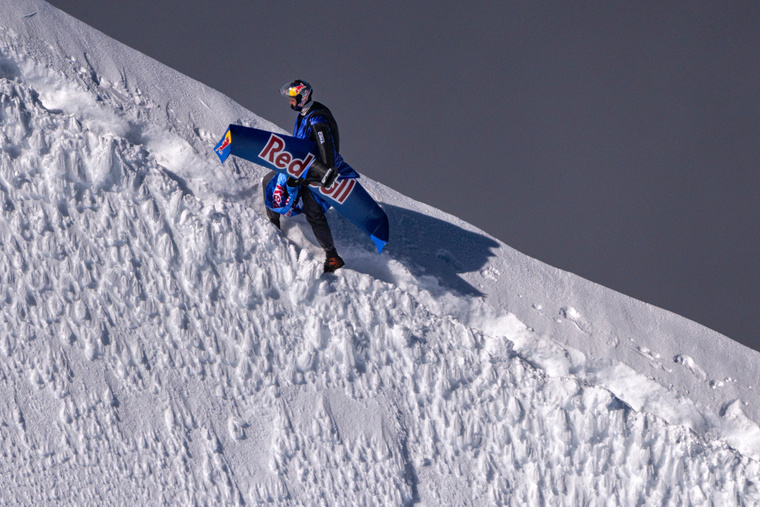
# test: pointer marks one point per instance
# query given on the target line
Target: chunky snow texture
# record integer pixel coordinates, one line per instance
(161, 342)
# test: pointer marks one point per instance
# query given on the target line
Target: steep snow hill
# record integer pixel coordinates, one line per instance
(161, 342)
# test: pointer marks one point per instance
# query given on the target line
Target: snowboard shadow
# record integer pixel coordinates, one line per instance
(426, 246)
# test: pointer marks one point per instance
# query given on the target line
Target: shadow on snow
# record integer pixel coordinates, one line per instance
(425, 245)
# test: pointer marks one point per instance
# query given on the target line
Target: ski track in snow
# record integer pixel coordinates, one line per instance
(161, 342)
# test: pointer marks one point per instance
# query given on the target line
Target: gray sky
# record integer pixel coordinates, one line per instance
(616, 140)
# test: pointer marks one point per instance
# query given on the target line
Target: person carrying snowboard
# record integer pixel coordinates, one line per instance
(285, 195)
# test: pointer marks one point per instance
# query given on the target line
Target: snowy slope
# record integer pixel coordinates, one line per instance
(160, 342)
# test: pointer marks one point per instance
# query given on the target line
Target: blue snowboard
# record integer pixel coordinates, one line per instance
(293, 156)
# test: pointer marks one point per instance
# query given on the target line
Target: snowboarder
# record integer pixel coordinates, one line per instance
(285, 195)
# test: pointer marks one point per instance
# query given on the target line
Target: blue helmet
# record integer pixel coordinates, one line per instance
(299, 90)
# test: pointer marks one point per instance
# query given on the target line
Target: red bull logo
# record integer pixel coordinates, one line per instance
(225, 143)
(296, 90)
(275, 154)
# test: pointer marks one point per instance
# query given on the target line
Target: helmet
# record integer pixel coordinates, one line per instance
(299, 90)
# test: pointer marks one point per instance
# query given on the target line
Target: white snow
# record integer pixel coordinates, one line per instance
(161, 342)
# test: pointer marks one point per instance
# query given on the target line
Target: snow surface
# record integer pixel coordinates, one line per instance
(161, 342)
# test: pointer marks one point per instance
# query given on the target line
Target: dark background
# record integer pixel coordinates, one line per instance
(616, 140)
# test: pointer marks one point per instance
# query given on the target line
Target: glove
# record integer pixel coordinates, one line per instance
(329, 178)
(322, 174)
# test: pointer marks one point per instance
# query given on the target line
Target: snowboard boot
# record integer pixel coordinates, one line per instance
(333, 263)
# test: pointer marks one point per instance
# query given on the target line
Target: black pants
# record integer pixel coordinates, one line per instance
(314, 215)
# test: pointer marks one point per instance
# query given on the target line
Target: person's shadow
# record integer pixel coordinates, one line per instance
(424, 245)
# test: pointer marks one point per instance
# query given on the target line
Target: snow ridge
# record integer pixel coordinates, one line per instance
(162, 343)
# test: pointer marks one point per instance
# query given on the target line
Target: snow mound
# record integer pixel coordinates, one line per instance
(162, 342)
